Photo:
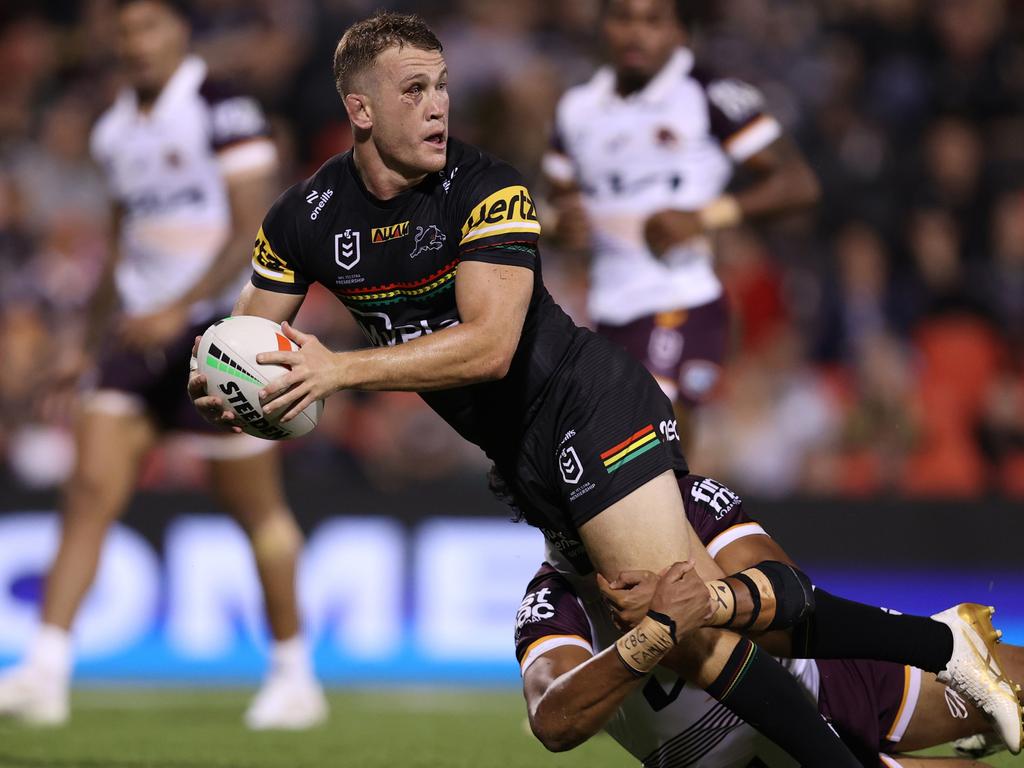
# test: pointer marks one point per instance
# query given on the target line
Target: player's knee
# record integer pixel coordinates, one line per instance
(275, 537)
(793, 591)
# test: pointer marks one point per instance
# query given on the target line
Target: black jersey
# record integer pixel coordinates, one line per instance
(393, 263)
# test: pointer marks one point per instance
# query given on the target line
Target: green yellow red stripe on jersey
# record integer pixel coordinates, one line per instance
(630, 448)
(443, 279)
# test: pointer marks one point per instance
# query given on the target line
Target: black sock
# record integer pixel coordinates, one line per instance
(755, 687)
(842, 629)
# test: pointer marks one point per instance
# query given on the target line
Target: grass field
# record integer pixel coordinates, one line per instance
(169, 728)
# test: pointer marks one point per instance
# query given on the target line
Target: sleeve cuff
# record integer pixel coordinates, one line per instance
(539, 647)
(263, 283)
(752, 138)
(735, 533)
(249, 156)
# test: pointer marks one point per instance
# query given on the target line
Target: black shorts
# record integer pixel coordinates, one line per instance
(158, 378)
(603, 429)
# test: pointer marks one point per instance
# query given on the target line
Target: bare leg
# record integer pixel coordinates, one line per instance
(934, 721)
(109, 450)
(250, 490)
(648, 530)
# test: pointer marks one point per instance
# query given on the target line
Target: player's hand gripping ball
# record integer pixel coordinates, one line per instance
(226, 356)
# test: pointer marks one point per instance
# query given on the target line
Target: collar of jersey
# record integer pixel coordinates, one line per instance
(395, 202)
(186, 78)
(661, 86)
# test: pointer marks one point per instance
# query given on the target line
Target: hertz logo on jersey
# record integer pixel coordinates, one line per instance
(508, 210)
(393, 232)
(269, 264)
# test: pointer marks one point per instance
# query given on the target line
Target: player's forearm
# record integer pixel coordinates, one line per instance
(579, 703)
(788, 190)
(784, 183)
(454, 357)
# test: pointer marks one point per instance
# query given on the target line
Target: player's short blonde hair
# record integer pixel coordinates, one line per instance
(365, 40)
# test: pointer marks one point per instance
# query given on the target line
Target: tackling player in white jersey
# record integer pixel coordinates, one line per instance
(190, 167)
(640, 161)
(881, 709)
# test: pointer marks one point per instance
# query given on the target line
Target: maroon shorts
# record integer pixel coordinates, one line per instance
(869, 703)
(683, 348)
(157, 378)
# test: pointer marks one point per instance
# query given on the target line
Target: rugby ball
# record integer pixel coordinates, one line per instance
(227, 358)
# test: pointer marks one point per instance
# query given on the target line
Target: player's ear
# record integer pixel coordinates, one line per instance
(358, 108)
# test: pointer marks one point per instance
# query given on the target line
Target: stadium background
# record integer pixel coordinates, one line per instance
(872, 414)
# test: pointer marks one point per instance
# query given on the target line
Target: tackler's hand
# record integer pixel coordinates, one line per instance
(628, 596)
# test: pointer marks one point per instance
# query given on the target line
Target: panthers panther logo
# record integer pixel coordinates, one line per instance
(435, 243)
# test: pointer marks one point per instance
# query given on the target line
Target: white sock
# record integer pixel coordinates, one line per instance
(51, 651)
(291, 656)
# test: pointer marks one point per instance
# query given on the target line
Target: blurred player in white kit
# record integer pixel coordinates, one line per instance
(191, 168)
(641, 157)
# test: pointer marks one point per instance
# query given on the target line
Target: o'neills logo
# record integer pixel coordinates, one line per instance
(508, 210)
(320, 205)
(392, 232)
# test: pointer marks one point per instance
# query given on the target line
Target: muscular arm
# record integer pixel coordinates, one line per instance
(784, 182)
(571, 695)
(279, 307)
(492, 300)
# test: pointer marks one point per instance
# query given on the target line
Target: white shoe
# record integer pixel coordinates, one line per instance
(33, 696)
(978, 745)
(974, 671)
(287, 702)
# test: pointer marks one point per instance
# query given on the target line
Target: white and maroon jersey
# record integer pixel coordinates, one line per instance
(667, 723)
(166, 168)
(670, 145)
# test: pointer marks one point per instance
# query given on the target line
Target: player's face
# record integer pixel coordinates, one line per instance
(152, 40)
(409, 102)
(641, 36)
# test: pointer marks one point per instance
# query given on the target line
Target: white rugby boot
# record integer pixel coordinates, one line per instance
(978, 745)
(288, 702)
(34, 696)
(975, 673)
(291, 698)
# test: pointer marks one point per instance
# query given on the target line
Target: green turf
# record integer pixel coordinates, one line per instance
(127, 728)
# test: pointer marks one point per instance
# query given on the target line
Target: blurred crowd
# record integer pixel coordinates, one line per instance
(879, 341)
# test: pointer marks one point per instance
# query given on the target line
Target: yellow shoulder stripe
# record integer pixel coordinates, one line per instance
(510, 209)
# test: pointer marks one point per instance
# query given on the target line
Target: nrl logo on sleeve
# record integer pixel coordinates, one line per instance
(508, 210)
(346, 249)
(390, 232)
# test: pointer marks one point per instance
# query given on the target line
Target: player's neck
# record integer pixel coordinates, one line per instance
(148, 94)
(381, 179)
(628, 84)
